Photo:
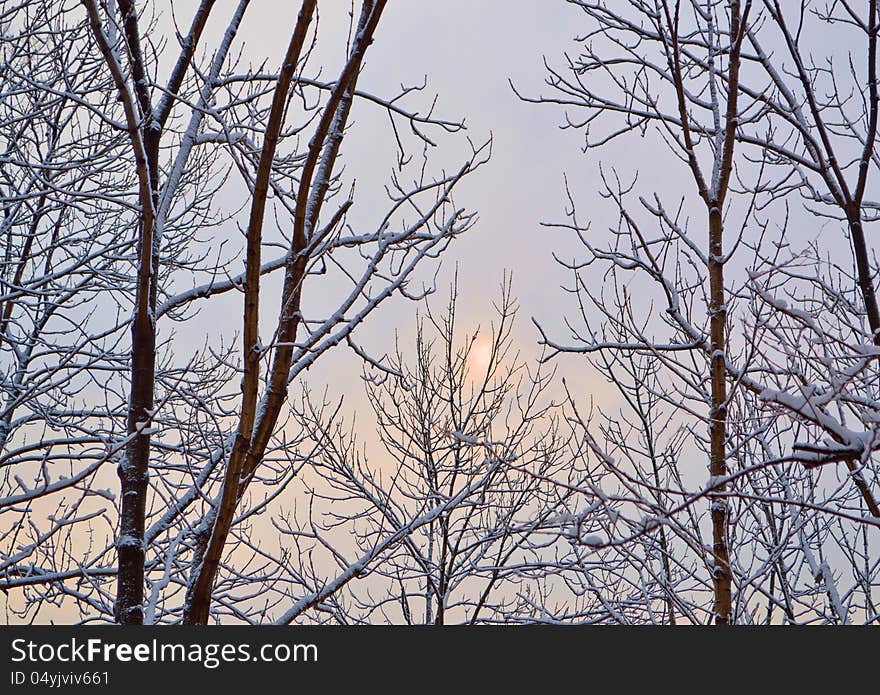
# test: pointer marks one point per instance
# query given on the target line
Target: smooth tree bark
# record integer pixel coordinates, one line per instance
(198, 595)
(257, 424)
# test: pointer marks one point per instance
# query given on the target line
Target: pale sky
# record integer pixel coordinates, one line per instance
(468, 51)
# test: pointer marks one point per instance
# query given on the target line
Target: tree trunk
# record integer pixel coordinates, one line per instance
(718, 420)
(134, 469)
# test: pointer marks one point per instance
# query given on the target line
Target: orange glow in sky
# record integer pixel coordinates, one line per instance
(479, 357)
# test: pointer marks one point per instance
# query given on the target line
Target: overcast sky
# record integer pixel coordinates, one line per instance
(469, 51)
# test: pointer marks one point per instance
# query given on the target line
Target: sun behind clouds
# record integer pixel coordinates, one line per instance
(479, 357)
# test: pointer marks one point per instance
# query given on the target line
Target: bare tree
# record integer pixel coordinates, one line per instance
(460, 419)
(728, 343)
(698, 118)
(822, 144)
(185, 135)
(117, 32)
(723, 469)
(63, 251)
